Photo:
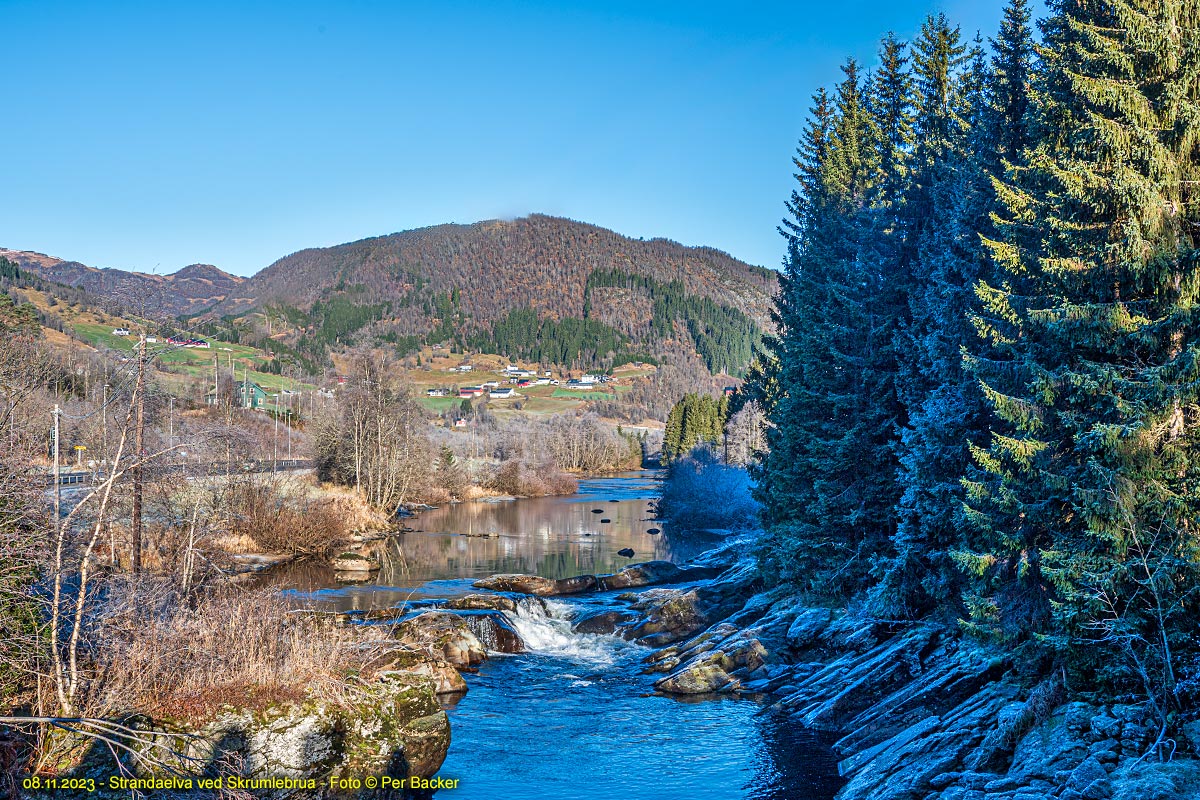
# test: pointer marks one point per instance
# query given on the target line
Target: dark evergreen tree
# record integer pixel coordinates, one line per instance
(1008, 88)
(696, 419)
(1084, 514)
(945, 409)
(825, 485)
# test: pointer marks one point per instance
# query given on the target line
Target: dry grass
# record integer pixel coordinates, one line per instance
(517, 478)
(177, 659)
(279, 523)
(350, 506)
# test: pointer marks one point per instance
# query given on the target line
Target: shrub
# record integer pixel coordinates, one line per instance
(701, 493)
(517, 478)
(300, 526)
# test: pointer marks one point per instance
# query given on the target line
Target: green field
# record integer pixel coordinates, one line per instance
(439, 404)
(194, 362)
(583, 395)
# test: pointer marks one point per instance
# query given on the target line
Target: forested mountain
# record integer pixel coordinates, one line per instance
(191, 289)
(985, 388)
(539, 287)
(537, 261)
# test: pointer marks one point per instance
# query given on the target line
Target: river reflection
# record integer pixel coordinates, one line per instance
(556, 537)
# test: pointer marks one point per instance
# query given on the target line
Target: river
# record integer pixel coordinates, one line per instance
(574, 717)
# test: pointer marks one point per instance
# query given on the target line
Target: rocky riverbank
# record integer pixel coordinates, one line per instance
(913, 711)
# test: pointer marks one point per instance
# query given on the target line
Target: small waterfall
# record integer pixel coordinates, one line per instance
(545, 628)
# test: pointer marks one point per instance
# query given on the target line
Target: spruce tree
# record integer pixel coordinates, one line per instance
(824, 493)
(944, 405)
(1083, 511)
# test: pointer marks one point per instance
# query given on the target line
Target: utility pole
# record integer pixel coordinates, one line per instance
(57, 482)
(135, 555)
(275, 462)
(170, 423)
(104, 427)
(217, 380)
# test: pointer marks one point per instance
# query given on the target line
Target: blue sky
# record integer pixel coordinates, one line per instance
(151, 135)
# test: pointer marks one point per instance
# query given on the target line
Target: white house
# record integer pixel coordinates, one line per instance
(120, 332)
(502, 394)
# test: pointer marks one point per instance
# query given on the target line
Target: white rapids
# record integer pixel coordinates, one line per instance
(549, 633)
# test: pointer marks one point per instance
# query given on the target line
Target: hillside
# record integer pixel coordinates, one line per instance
(539, 287)
(540, 261)
(191, 289)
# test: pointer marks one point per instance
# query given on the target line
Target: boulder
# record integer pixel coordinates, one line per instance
(481, 602)
(444, 677)
(712, 671)
(646, 574)
(602, 622)
(627, 552)
(536, 584)
(354, 562)
(807, 626)
(494, 630)
(444, 635)
(676, 616)
(392, 725)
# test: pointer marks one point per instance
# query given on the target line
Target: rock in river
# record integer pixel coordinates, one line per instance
(602, 622)
(645, 574)
(535, 584)
(627, 552)
(493, 629)
(442, 634)
(354, 562)
(482, 602)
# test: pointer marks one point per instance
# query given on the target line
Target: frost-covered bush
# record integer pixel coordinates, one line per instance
(701, 493)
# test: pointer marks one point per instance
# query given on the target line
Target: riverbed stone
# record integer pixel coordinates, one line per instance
(602, 622)
(537, 585)
(481, 602)
(443, 634)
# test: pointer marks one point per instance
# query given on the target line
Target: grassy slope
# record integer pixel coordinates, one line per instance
(434, 372)
(185, 368)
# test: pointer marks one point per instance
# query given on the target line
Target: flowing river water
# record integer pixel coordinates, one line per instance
(574, 717)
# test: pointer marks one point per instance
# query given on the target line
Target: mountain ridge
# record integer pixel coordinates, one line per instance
(187, 290)
(506, 283)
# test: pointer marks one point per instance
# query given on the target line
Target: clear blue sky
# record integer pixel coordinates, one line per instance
(148, 135)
